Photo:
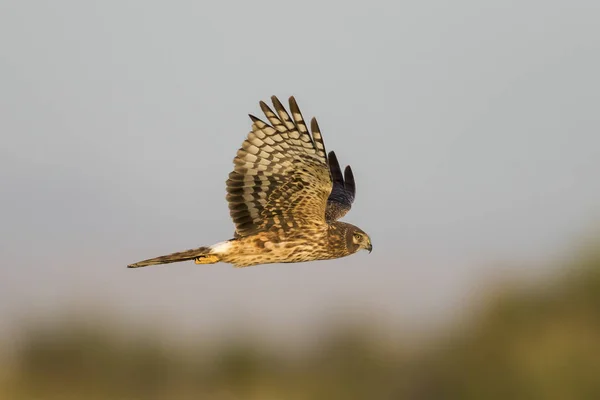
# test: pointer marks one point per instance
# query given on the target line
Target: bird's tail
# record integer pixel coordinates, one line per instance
(202, 255)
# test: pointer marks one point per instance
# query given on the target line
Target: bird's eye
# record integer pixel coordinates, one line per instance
(357, 236)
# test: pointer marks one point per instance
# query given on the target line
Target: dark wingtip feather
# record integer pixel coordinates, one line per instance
(349, 182)
(334, 168)
(294, 106)
(314, 126)
(265, 108)
(318, 137)
(277, 103)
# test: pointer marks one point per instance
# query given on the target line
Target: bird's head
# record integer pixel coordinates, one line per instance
(357, 239)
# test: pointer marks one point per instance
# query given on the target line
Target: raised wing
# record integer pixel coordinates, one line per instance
(281, 177)
(343, 192)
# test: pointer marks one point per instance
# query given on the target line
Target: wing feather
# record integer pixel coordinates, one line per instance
(281, 177)
(343, 192)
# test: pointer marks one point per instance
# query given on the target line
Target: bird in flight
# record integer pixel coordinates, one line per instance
(285, 195)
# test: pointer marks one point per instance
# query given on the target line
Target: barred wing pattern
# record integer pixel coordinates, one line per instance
(281, 178)
(343, 192)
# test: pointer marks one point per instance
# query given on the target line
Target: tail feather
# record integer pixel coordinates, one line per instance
(203, 253)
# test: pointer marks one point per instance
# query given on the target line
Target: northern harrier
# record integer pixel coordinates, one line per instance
(285, 197)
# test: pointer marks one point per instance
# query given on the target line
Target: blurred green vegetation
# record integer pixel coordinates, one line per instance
(525, 342)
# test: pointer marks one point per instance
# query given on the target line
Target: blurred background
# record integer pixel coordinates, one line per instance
(472, 129)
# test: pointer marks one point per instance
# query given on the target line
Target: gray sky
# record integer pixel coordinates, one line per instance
(472, 127)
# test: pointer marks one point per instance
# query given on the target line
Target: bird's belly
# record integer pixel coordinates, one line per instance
(250, 251)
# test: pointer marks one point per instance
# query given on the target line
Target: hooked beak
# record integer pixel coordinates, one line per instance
(370, 247)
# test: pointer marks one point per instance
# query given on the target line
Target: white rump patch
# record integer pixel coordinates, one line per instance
(220, 248)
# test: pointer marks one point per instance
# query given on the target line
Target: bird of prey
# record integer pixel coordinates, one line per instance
(285, 197)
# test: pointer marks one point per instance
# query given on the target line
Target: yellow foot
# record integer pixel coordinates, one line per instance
(207, 259)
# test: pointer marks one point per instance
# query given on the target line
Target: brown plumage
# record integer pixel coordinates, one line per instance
(285, 197)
